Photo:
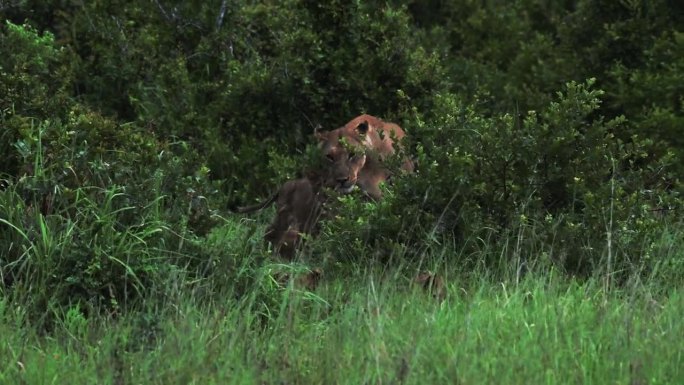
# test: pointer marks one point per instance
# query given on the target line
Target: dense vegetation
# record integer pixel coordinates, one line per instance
(549, 150)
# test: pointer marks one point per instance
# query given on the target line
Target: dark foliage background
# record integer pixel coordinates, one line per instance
(126, 126)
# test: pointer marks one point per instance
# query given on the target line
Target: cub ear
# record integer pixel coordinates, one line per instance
(362, 128)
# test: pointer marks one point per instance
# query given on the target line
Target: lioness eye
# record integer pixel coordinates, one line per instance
(330, 157)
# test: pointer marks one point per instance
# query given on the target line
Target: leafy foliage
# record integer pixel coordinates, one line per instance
(553, 126)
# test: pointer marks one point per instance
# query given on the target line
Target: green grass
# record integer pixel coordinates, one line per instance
(208, 310)
(365, 329)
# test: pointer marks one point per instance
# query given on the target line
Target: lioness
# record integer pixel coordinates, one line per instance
(365, 136)
(355, 153)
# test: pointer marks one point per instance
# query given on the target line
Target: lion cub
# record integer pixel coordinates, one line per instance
(299, 205)
(432, 283)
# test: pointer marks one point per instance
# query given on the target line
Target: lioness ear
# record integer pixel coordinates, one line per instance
(359, 161)
(320, 135)
(362, 128)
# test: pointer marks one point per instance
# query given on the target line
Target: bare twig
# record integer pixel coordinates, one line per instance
(609, 231)
(222, 13)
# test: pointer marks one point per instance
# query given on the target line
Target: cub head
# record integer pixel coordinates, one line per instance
(344, 155)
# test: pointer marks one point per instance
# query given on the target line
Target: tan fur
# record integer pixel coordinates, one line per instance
(366, 135)
(432, 283)
(299, 204)
(308, 281)
(355, 153)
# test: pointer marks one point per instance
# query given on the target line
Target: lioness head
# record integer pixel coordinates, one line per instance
(345, 155)
(356, 153)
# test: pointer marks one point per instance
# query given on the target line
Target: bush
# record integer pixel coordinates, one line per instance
(91, 209)
(563, 165)
(125, 127)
